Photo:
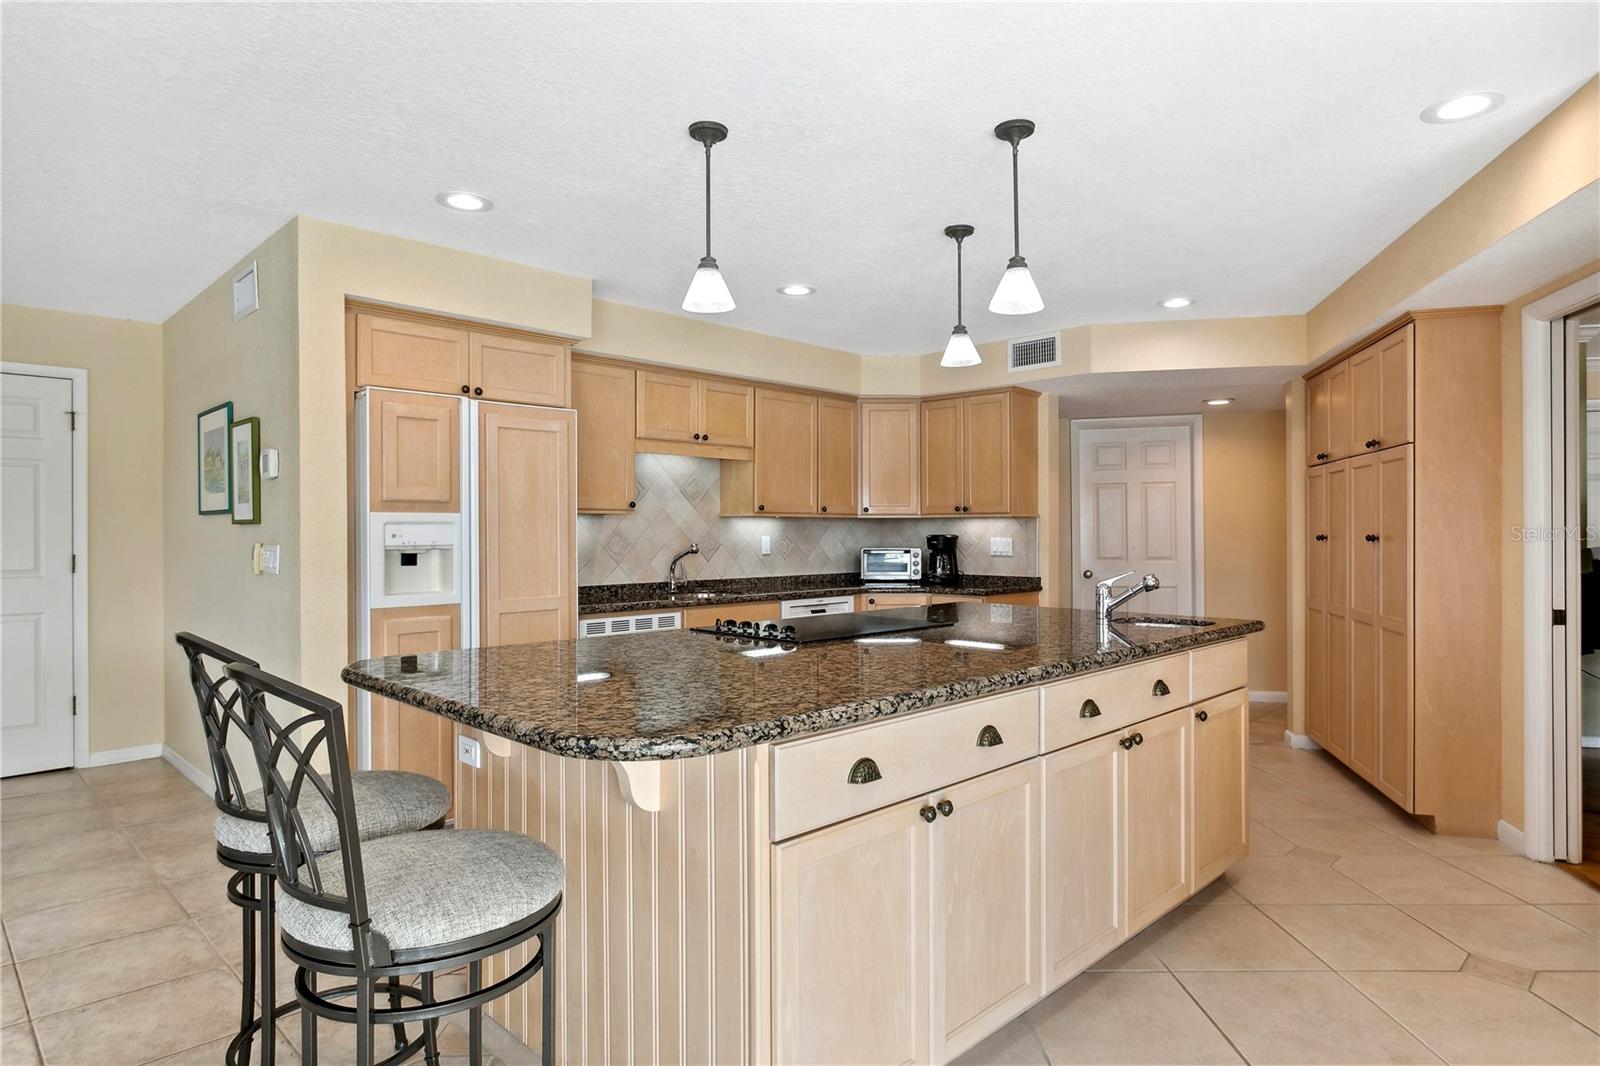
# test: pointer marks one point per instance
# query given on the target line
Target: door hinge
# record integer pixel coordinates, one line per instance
(1558, 616)
(74, 562)
(74, 706)
(72, 421)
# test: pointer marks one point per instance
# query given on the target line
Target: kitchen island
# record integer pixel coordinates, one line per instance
(877, 850)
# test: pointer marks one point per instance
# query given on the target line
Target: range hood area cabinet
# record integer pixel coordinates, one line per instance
(1402, 581)
(694, 414)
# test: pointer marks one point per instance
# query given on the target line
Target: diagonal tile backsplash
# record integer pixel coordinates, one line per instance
(679, 500)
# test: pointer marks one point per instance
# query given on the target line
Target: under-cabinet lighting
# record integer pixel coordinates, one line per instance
(888, 640)
(985, 645)
(592, 675)
(765, 653)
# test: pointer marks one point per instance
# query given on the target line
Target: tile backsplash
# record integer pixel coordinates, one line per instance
(679, 500)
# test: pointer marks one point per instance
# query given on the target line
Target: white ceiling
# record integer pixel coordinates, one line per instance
(1170, 392)
(1252, 156)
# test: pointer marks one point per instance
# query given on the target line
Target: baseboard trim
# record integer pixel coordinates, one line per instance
(1300, 740)
(1268, 697)
(188, 769)
(116, 755)
(1511, 837)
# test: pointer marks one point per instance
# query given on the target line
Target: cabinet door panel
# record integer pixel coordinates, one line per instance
(1318, 419)
(986, 453)
(1366, 411)
(943, 483)
(1221, 783)
(837, 422)
(727, 413)
(1155, 827)
(407, 738)
(1394, 691)
(1396, 357)
(1317, 676)
(602, 394)
(519, 370)
(786, 460)
(891, 447)
(1082, 872)
(529, 526)
(1339, 412)
(414, 452)
(1337, 735)
(1317, 529)
(667, 406)
(1362, 752)
(850, 942)
(984, 875)
(398, 353)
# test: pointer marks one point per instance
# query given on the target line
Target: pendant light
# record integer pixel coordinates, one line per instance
(708, 294)
(1016, 294)
(960, 351)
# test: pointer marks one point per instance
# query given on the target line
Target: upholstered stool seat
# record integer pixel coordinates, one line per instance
(387, 802)
(429, 889)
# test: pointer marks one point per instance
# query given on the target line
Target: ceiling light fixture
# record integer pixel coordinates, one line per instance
(464, 201)
(708, 294)
(1220, 401)
(959, 351)
(1176, 303)
(1016, 294)
(796, 290)
(1464, 106)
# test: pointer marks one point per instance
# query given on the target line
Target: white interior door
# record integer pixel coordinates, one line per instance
(1134, 498)
(36, 625)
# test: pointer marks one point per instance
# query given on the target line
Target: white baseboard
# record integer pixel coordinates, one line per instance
(188, 769)
(1511, 837)
(1268, 697)
(116, 755)
(1300, 740)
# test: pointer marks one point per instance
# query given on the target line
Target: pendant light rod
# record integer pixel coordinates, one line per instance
(708, 293)
(1016, 294)
(960, 233)
(1015, 131)
(708, 133)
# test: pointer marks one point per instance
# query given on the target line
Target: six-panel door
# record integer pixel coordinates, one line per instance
(1155, 825)
(1082, 856)
(1220, 743)
(528, 484)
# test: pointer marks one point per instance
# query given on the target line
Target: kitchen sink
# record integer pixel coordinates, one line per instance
(1163, 623)
(693, 597)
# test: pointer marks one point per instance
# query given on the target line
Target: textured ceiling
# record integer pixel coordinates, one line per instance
(1250, 156)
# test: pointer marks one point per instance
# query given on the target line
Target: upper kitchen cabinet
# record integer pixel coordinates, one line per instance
(694, 415)
(414, 446)
(890, 457)
(786, 452)
(602, 394)
(402, 352)
(837, 427)
(1364, 401)
(518, 369)
(979, 454)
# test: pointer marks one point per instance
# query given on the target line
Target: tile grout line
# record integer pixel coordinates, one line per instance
(99, 944)
(1343, 976)
(1207, 1015)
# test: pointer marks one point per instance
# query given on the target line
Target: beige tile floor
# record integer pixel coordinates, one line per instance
(117, 943)
(1349, 935)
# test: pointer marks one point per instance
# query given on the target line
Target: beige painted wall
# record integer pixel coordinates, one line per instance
(210, 358)
(126, 628)
(1546, 165)
(1295, 546)
(1512, 444)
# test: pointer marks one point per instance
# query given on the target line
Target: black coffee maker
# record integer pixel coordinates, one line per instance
(941, 568)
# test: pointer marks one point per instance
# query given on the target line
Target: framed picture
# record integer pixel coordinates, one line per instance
(213, 472)
(246, 452)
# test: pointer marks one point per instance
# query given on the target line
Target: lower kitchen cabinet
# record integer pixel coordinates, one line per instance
(1082, 876)
(407, 738)
(1155, 822)
(1220, 749)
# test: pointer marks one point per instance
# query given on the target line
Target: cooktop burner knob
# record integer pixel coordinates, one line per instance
(770, 629)
(787, 632)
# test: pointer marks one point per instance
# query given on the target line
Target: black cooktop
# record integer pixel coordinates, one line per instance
(817, 629)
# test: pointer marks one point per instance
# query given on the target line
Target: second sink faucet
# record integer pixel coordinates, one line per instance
(672, 567)
(1105, 603)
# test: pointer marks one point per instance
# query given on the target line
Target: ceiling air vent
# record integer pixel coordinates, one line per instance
(1033, 353)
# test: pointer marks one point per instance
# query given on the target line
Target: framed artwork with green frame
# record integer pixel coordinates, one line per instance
(245, 450)
(213, 472)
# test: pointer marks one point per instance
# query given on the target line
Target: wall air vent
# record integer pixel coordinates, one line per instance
(630, 623)
(1034, 353)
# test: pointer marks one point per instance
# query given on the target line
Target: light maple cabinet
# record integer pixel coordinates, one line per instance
(668, 406)
(401, 352)
(1402, 584)
(727, 413)
(891, 447)
(979, 454)
(602, 394)
(889, 601)
(1155, 825)
(712, 415)
(527, 485)
(1082, 849)
(785, 467)
(518, 369)
(407, 738)
(944, 484)
(837, 428)
(1220, 785)
(414, 452)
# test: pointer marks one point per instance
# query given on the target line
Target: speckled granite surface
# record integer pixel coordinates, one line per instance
(675, 695)
(653, 596)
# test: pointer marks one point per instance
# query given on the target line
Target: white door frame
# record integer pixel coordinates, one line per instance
(80, 541)
(1197, 466)
(1540, 320)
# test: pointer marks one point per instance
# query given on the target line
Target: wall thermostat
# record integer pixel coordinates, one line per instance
(269, 463)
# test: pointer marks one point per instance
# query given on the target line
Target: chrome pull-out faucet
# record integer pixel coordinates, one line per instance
(672, 567)
(1105, 603)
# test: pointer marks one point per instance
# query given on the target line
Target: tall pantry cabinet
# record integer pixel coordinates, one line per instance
(1403, 564)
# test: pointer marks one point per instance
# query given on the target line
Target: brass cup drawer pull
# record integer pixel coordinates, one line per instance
(1160, 688)
(864, 772)
(1090, 709)
(989, 737)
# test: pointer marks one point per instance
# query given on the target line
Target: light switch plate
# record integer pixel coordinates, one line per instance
(468, 751)
(999, 545)
(269, 558)
(766, 544)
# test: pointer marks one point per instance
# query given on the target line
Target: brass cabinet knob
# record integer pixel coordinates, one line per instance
(1201, 715)
(946, 808)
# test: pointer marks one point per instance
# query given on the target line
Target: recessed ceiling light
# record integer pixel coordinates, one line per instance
(1221, 401)
(1174, 303)
(464, 201)
(796, 290)
(1467, 105)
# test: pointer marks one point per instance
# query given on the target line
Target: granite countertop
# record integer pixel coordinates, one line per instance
(681, 694)
(653, 595)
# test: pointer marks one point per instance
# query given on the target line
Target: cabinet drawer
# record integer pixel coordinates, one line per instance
(1217, 668)
(1084, 707)
(811, 779)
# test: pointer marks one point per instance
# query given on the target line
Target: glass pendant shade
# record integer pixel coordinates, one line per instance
(960, 351)
(1016, 294)
(708, 294)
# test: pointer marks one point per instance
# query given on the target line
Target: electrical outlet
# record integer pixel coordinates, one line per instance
(468, 751)
(999, 545)
(766, 544)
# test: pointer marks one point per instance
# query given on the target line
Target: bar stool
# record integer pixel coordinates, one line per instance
(371, 911)
(387, 801)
